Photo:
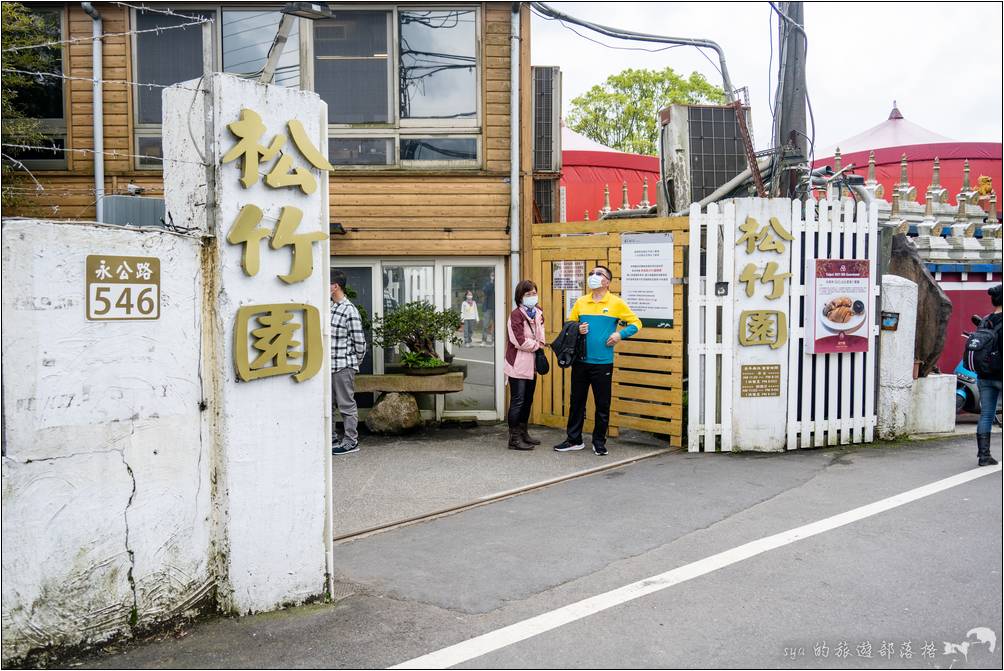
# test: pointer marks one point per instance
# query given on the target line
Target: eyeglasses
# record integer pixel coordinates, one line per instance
(600, 273)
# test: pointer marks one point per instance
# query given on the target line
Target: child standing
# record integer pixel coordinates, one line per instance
(469, 315)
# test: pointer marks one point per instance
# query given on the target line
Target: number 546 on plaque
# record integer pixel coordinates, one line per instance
(122, 287)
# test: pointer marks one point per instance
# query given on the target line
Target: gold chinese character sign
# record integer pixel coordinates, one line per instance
(763, 327)
(245, 231)
(250, 129)
(275, 349)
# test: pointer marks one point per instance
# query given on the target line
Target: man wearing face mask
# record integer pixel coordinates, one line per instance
(599, 313)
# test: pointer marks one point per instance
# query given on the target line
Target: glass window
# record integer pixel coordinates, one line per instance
(401, 285)
(438, 61)
(165, 58)
(151, 146)
(247, 38)
(39, 98)
(476, 354)
(361, 151)
(439, 149)
(352, 67)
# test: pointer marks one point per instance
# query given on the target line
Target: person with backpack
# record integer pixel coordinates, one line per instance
(525, 330)
(599, 313)
(983, 354)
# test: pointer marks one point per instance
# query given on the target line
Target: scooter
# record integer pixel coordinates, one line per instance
(967, 390)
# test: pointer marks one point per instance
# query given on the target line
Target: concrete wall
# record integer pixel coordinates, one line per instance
(106, 495)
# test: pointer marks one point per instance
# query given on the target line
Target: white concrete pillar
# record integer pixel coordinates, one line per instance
(268, 415)
(899, 296)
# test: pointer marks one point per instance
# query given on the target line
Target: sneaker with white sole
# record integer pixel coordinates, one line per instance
(344, 448)
(566, 446)
(599, 449)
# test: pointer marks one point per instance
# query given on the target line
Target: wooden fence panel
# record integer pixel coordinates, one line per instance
(648, 368)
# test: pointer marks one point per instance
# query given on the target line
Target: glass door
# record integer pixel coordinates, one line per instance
(469, 287)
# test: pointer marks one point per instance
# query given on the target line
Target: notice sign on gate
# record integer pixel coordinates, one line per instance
(838, 306)
(647, 277)
(122, 287)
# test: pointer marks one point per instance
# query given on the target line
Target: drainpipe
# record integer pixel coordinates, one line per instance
(99, 111)
(514, 146)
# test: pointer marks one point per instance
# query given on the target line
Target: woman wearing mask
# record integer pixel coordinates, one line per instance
(526, 335)
(469, 315)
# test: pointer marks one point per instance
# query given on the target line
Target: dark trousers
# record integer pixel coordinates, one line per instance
(599, 376)
(520, 401)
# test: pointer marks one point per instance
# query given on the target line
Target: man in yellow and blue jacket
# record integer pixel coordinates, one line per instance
(599, 313)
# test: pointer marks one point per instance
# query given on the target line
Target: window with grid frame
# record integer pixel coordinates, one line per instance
(402, 86)
(244, 36)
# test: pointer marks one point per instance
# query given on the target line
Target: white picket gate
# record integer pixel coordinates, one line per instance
(826, 399)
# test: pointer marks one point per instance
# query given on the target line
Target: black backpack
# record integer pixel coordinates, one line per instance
(569, 346)
(983, 350)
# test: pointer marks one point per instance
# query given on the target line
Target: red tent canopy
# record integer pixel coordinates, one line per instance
(588, 166)
(897, 136)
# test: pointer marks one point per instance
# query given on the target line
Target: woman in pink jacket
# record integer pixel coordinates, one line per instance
(526, 336)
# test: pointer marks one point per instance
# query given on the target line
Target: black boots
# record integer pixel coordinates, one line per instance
(983, 450)
(515, 442)
(525, 436)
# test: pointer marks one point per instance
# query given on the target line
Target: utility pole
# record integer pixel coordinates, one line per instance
(791, 109)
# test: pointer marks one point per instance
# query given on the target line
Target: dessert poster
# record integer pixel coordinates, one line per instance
(838, 306)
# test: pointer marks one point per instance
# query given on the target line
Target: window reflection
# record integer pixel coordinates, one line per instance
(165, 58)
(439, 149)
(247, 38)
(405, 284)
(438, 59)
(352, 66)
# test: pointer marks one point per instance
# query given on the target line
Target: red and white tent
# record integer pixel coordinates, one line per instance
(588, 166)
(897, 136)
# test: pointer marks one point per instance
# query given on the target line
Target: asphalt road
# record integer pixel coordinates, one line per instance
(906, 581)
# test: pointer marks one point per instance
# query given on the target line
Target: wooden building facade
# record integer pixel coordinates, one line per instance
(419, 100)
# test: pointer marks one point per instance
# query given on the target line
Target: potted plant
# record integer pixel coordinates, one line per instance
(417, 326)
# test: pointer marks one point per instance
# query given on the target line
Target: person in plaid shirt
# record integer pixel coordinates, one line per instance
(348, 347)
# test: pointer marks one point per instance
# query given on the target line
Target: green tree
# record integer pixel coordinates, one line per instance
(622, 112)
(21, 94)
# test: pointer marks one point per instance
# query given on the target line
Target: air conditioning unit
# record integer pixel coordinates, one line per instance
(546, 119)
(134, 211)
(545, 198)
(700, 149)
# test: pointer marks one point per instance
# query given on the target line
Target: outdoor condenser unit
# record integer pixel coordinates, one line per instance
(546, 119)
(700, 149)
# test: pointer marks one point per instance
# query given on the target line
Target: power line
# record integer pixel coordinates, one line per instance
(602, 44)
(123, 82)
(78, 40)
(166, 12)
(114, 153)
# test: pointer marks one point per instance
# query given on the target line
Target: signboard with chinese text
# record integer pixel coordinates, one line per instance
(647, 277)
(838, 303)
(122, 287)
(761, 239)
(568, 274)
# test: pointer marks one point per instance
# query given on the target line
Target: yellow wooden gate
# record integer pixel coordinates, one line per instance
(648, 368)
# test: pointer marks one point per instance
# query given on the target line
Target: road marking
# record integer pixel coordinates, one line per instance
(514, 633)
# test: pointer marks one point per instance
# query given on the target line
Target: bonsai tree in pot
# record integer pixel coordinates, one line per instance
(417, 326)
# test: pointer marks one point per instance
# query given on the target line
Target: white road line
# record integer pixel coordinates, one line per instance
(500, 638)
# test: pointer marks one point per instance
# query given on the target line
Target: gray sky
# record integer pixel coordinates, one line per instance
(940, 62)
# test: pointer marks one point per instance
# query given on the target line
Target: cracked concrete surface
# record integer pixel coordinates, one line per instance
(412, 590)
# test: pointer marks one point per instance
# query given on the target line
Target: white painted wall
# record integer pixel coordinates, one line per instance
(106, 496)
(896, 364)
(933, 409)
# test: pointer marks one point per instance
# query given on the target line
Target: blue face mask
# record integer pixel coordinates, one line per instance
(529, 301)
(595, 281)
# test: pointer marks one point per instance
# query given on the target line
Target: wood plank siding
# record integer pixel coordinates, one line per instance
(393, 211)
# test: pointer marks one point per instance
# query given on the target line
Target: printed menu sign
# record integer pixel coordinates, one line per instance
(838, 306)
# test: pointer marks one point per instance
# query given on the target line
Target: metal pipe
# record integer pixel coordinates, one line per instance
(514, 145)
(98, 108)
(727, 187)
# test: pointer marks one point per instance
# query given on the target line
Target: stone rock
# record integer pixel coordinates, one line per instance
(395, 412)
(933, 306)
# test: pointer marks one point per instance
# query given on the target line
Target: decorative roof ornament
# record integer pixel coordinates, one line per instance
(966, 194)
(606, 200)
(625, 204)
(907, 193)
(895, 113)
(935, 194)
(871, 184)
(586, 217)
(644, 194)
